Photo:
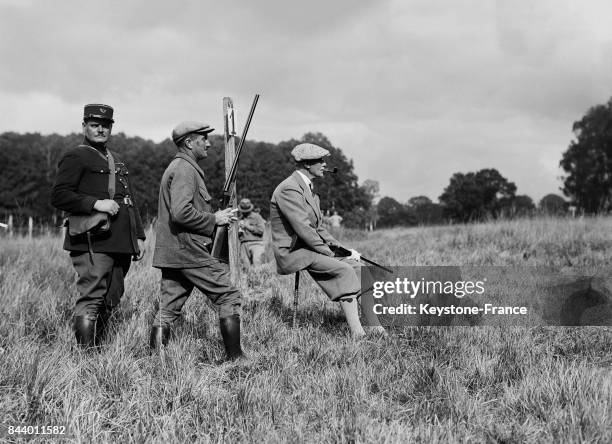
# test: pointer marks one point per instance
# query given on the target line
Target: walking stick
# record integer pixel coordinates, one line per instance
(296, 293)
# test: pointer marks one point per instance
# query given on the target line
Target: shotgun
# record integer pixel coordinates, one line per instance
(220, 246)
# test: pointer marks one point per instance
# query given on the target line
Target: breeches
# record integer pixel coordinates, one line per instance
(337, 277)
(213, 280)
(100, 285)
(252, 252)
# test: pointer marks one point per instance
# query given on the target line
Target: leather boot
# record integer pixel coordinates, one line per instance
(85, 331)
(159, 336)
(103, 324)
(230, 331)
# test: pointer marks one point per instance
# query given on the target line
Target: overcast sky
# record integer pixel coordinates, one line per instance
(412, 91)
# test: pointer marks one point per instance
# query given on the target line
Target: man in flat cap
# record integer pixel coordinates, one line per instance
(302, 243)
(251, 228)
(93, 182)
(185, 224)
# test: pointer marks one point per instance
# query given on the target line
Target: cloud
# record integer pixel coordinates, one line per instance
(402, 86)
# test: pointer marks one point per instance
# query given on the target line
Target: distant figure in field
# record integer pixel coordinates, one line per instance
(251, 227)
(302, 243)
(92, 182)
(335, 220)
(185, 224)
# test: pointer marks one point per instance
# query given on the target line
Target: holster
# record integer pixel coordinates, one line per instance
(94, 223)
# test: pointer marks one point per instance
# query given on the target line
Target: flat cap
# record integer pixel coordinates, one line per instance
(183, 129)
(98, 111)
(308, 151)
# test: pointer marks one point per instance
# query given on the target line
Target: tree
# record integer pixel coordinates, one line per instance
(588, 161)
(553, 204)
(518, 206)
(391, 213)
(473, 196)
(426, 212)
(371, 188)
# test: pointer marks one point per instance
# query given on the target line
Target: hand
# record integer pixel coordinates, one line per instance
(355, 255)
(224, 217)
(141, 247)
(107, 206)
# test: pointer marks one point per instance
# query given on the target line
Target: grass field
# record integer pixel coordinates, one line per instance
(313, 384)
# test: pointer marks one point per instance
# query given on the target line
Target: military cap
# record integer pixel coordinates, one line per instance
(308, 151)
(183, 129)
(245, 205)
(98, 111)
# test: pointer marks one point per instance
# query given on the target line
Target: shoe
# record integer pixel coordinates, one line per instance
(85, 331)
(159, 336)
(230, 332)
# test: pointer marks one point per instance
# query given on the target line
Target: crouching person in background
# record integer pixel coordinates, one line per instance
(251, 228)
(104, 228)
(184, 228)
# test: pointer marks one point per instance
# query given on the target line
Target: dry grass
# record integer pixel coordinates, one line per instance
(313, 384)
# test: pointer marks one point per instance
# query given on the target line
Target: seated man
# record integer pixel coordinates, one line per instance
(302, 243)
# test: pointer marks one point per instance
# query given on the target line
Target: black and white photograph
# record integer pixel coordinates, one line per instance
(306, 222)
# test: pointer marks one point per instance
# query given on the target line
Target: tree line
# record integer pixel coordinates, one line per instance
(29, 163)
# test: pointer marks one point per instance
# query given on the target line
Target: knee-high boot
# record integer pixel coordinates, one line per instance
(85, 330)
(159, 336)
(230, 331)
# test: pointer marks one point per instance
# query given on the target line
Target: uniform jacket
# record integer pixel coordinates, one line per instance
(185, 221)
(82, 178)
(252, 228)
(297, 230)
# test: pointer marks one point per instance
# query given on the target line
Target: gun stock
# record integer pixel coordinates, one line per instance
(220, 245)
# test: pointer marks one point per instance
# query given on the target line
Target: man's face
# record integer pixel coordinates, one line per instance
(316, 169)
(97, 130)
(199, 144)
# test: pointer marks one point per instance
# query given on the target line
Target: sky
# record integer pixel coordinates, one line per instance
(413, 91)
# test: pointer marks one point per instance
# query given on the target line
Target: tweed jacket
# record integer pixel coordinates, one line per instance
(185, 221)
(297, 226)
(82, 179)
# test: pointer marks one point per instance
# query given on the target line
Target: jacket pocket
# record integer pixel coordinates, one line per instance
(99, 170)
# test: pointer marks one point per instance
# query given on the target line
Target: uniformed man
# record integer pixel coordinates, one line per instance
(302, 243)
(82, 187)
(185, 224)
(251, 227)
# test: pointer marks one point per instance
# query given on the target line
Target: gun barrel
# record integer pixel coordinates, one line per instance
(232, 173)
(220, 248)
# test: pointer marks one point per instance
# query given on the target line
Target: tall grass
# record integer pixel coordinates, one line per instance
(311, 384)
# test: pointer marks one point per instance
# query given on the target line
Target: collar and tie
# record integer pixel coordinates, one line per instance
(311, 189)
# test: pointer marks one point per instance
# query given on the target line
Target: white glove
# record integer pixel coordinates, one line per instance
(355, 255)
